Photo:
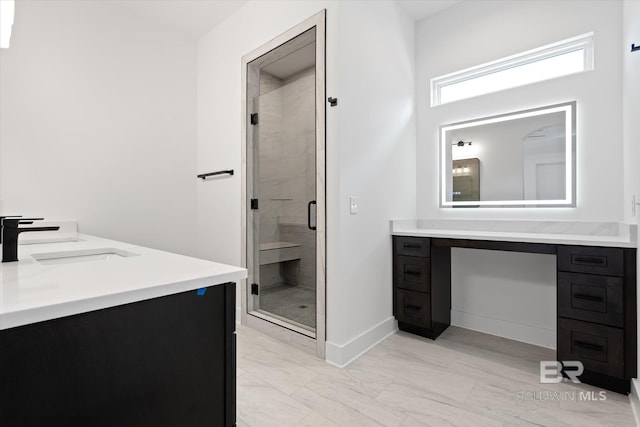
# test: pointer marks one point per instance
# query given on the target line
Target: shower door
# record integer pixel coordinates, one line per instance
(284, 191)
(283, 197)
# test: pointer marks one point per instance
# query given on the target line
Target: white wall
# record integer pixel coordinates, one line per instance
(631, 112)
(97, 123)
(476, 32)
(631, 106)
(219, 115)
(370, 149)
(376, 138)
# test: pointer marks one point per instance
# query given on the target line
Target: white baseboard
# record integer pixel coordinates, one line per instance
(341, 355)
(634, 399)
(502, 328)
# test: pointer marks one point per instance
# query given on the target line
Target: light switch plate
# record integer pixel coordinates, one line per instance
(353, 205)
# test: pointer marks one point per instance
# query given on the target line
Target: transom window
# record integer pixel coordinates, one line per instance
(565, 57)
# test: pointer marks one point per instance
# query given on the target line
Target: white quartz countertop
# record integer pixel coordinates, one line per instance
(609, 234)
(33, 291)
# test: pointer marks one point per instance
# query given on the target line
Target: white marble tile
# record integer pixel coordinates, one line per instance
(282, 373)
(240, 372)
(411, 381)
(412, 421)
(355, 396)
(525, 351)
(317, 420)
(434, 410)
(241, 422)
(570, 418)
(481, 367)
(503, 399)
(259, 404)
(411, 348)
(339, 411)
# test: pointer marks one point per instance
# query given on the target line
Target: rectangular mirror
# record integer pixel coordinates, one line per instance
(520, 159)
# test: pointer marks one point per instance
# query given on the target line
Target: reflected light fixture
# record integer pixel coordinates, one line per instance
(462, 143)
(7, 8)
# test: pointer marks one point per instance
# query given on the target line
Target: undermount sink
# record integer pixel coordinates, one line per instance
(50, 240)
(83, 255)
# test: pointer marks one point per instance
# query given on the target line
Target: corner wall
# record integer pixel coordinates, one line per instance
(631, 107)
(97, 114)
(493, 30)
(376, 144)
(631, 132)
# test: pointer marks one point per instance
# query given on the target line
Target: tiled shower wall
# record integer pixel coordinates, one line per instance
(287, 171)
(270, 147)
(302, 273)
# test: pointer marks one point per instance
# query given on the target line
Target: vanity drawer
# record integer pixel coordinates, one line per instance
(600, 348)
(591, 260)
(597, 299)
(413, 273)
(413, 307)
(412, 246)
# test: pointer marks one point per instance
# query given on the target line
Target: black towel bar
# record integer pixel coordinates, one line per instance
(205, 175)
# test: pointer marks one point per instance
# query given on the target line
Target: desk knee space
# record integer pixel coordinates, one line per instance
(596, 304)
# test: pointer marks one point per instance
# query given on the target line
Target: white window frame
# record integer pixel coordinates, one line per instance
(583, 42)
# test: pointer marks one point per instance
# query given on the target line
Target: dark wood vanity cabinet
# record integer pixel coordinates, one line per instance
(162, 362)
(597, 313)
(420, 305)
(596, 300)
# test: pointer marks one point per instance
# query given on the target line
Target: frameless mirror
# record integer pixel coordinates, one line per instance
(524, 158)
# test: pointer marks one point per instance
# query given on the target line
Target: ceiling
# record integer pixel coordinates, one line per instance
(195, 18)
(421, 9)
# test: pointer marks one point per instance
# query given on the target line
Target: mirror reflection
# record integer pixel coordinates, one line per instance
(524, 158)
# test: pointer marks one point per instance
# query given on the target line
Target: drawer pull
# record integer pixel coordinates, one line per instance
(588, 346)
(588, 297)
(412, 246)
(412, 273)
(589, 260)
(413, 307)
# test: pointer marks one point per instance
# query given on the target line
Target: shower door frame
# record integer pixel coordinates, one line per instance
(250, 89)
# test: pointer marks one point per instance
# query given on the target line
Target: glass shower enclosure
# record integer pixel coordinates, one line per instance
(281, 184)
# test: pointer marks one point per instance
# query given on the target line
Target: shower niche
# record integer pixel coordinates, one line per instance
(283, 186)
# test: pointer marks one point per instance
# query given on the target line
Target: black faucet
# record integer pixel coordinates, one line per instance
(10, 232)
(3, 217)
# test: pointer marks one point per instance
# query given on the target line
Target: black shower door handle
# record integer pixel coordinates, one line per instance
(313, 202)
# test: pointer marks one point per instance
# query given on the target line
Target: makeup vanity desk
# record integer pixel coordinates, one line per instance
(596, 284)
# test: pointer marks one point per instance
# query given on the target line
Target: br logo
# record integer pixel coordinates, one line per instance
(552, 371)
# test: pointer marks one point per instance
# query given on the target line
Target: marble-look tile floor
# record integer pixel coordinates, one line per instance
(464, 378)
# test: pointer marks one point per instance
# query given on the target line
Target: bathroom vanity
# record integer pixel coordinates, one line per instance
(98, 332)
(596, 284)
